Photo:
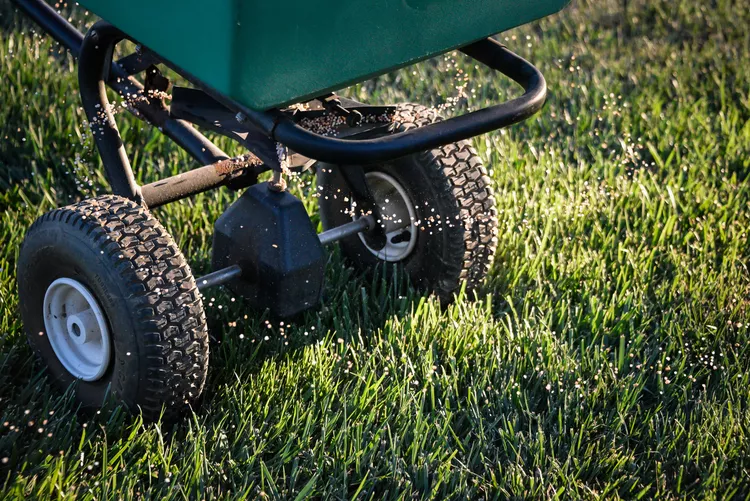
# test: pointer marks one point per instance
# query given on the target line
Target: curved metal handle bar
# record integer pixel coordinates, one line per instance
(96, 71)
(94, 63)
(342, 151)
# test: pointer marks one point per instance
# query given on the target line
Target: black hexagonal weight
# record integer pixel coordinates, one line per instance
(270, 236)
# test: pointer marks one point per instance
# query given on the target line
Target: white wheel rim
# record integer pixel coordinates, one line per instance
(77, 329)
(397, 216)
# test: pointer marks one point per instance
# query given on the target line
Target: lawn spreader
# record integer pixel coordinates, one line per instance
(108, 300)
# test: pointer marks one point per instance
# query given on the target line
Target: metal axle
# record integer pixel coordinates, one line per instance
(219, 277)
(340, 232)
(233, 272)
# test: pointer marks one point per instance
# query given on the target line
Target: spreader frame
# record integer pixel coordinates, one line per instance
(96, 71)
(360, 141)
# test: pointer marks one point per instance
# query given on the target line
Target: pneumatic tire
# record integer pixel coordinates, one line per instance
(452, 201)
(110, 306)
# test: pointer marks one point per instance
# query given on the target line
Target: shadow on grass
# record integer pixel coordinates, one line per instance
(354, 306)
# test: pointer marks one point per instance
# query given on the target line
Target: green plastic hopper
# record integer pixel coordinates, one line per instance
(269, 53)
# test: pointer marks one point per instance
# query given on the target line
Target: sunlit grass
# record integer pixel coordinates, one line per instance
(607, 356)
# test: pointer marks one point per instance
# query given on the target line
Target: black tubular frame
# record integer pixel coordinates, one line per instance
(96, 51)
(279, 126)
(179, 131)
(488, 52)
(116, 164)
(96, 70)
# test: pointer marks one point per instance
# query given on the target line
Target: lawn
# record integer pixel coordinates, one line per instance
(608, 355)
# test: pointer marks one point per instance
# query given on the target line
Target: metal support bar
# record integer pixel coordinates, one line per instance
(93, 69)
(340, 232)
(226, 172)
(53, 23)
(220, 277)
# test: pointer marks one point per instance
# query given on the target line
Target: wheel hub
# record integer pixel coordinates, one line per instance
(397, 215)
(77, 329)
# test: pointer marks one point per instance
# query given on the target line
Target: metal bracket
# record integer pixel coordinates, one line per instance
(332, 103)
(137, 62)
(155, 81)
(197, 107)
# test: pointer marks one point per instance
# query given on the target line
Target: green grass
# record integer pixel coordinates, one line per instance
(608, 356)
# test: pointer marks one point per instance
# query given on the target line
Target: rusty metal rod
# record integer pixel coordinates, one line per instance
(199, 180)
